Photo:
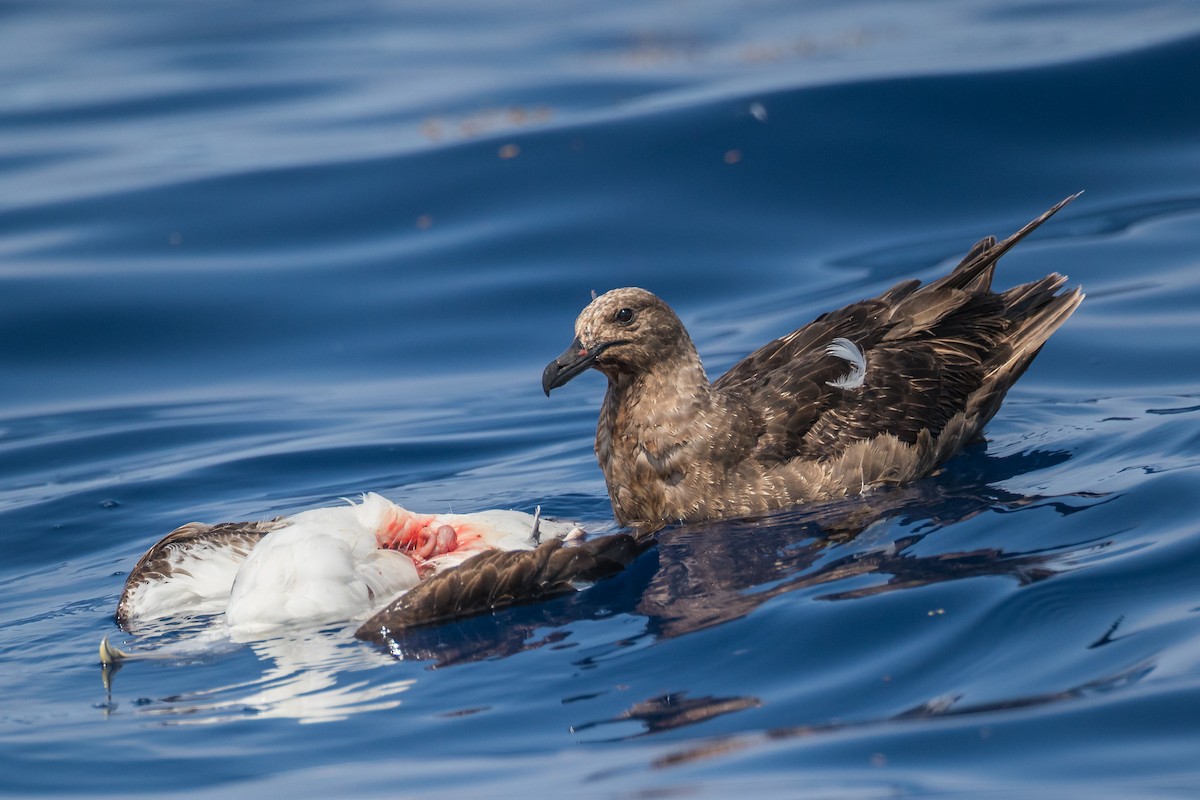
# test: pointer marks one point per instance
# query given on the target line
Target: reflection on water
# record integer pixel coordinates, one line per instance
(942, 707)
(306, 676)
(669, 711)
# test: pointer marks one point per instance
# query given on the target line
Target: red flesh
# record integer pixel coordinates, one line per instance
(423, 538)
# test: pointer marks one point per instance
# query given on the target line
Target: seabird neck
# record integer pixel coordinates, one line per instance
(679, 376)
(649, 419)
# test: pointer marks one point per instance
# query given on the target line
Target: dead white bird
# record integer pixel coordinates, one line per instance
(325, 565)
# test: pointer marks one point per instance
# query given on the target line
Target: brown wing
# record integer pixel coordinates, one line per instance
(500, 578)
(927, 349)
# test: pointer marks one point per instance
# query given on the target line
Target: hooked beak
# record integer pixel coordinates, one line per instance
(574, 360)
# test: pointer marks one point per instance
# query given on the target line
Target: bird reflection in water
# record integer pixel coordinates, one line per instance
(669, 711)
(939, 708)
(316, 675)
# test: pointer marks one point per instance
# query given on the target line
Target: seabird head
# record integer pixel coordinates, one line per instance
(620, 332)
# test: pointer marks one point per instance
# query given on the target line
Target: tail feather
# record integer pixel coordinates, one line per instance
(983, 281)
(1037, 312)
(1021, 302)
(976, 269)
(1034, 329)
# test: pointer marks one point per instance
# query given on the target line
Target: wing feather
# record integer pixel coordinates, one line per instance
(927, 350)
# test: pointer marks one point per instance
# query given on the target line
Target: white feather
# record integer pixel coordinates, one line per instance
(201, 577)
(324, 566)
(849, 352)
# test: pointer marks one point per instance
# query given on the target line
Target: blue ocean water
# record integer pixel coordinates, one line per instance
(257, 257)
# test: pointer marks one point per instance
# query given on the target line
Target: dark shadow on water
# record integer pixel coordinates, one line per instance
(669, 711)
(940, 708)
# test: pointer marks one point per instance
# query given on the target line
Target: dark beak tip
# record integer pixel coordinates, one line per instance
(565, 367)
(548, 377)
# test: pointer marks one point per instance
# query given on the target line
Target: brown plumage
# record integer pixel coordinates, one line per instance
(501, 578)
(879, 392)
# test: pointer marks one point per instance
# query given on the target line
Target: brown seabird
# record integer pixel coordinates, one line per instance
(878, 393)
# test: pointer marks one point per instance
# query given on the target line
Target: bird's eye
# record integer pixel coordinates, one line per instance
(624, 316)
